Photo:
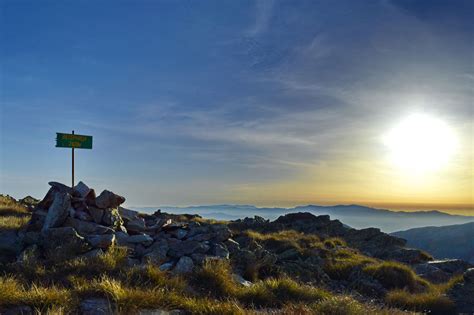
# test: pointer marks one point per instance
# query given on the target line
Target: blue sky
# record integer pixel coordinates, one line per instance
(262, 102)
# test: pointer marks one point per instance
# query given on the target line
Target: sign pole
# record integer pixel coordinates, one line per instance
(73, 141)
(72, 165)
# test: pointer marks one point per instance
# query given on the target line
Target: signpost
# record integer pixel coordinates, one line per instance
(71, 140)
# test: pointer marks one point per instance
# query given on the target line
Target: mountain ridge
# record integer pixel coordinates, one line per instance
(356, 216)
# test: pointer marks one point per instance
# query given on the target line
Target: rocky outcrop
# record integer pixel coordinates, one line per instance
(370, 241)
(462, 294)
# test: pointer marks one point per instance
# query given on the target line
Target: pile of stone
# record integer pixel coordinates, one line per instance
(74, 222)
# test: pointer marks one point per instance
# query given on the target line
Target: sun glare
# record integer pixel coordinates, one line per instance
(420, 143)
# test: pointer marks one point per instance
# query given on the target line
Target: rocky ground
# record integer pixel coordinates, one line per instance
(374, 268)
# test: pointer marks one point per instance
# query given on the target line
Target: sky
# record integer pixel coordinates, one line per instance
(270, 103)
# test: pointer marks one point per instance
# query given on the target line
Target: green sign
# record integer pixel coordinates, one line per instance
(67, 140)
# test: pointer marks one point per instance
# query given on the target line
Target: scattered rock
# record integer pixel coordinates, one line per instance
(82, 215)
(161, 312)
(101, 241)
(240, 280)
(64, 242)
(127, 214)
(431, 273)
(462, 294)
(10, 242)
(18, 310)
(452, 266)
(58, 211)
(140, 239)
(187, 248)
(166, 266)
(96, 306)
(219, 250)
(136, 225)
(184, 265)
(81, 189)
(108, 199)
(85, 228)
(156, 253)
(96, 213)
(112, 218)
(178, 233)
(93, 253)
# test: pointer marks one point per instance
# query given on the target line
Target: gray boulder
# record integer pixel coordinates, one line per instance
(240, 280)
(187, 248)
(184, 265)
(83, 215)
(451, 266)
(127, 214)
(85, 228)
(431, 273)
(135, 225)
(178, 233)
(161, 312)
(61, 188)
(58, 211)
(92, 253)
(108, 199)
(219, 250)
(10, 243)
(112, 218)
(18, 310)
(96, 213)
(101, 241)
(140, 239)
(166, 266)
(156, 253)
(63, 242)
(96, 306)
(462, 294)
(81, 189)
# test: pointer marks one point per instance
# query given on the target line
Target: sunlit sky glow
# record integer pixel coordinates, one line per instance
(254, 102)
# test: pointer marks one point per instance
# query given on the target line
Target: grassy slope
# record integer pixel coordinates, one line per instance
(58, 287)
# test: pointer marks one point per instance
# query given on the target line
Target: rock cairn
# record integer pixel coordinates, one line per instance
(74, 222)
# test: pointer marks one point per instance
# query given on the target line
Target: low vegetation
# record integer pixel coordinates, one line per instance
(393, 275)
(433, 300)
(13, 216)
(58, 286)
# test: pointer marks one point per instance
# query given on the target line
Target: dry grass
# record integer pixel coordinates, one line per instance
(429, 302)
(283, 240)
(13, 222)
(394, 275)
(343, 261)
(339, 305)
(434, 301)
(13, 215)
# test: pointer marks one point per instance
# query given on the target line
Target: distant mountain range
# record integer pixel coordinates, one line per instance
(452, 241)
(355, 216)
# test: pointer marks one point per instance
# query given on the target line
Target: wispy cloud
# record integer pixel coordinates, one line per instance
(263, 14)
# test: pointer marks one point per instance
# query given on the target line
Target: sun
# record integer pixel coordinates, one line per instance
(420, 143)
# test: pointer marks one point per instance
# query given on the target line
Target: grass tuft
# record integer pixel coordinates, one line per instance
(394, 275)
